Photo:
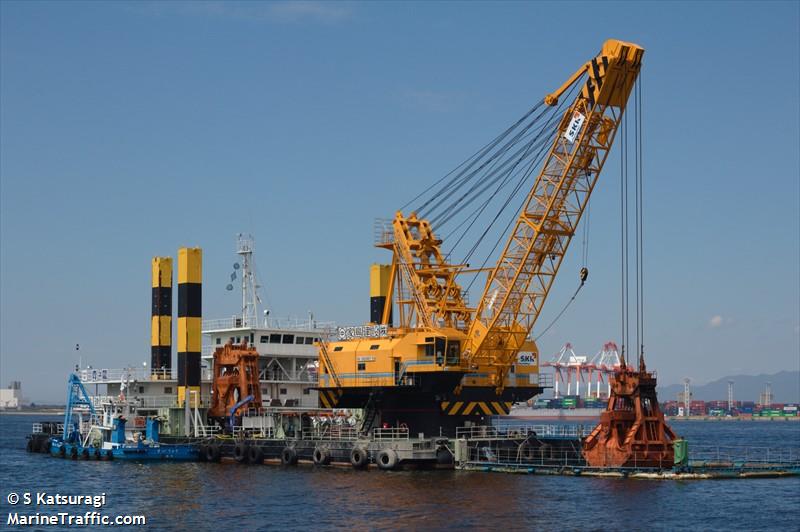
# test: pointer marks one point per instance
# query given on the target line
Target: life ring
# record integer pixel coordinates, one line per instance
(288, 456)
(240, 452)
(255, 454)
(387, 459)
(212, 453)
(321, 456)
(359, 457)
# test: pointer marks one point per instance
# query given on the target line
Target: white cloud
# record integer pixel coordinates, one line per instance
(289, 11)
(310, 9)
(716, 321)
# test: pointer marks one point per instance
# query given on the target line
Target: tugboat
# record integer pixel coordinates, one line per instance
(104, 436)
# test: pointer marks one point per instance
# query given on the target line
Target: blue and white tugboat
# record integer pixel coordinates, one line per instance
(87, 434)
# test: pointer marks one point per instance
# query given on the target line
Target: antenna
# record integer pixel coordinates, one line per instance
(250, 299)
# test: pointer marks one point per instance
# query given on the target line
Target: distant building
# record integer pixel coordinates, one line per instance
(11, 397)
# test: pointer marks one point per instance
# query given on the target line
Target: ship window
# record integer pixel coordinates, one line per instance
(264, 339)
(300, 339)
(264, 391)
(167, 389)
(429, 339)
(252, 338)
(309, 340)
(362, 366)
(232, 339)
(141, 389)
(428, 350)
(306, 391)
(337, 348)
(374, 346)
(219, 340)
(453, 351)
(513, 368)
(288, 338)
(274, 338)
(439, 345)
(283, 391)
(316, 339)
(238, 339)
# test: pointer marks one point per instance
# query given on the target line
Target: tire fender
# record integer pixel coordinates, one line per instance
(321, 456)
(387, 459)
(359, 457)
(288, 456)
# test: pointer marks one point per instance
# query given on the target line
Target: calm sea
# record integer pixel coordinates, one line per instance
(197, 496)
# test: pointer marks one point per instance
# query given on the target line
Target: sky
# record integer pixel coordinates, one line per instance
(128, 130)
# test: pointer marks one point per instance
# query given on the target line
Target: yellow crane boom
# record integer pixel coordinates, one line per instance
(518, 285)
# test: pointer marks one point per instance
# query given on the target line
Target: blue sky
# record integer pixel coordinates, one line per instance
(128, 130)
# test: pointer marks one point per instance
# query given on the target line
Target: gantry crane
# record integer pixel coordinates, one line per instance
(446, 361)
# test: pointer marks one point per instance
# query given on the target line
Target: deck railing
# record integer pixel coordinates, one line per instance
(252, 322)
(391, 433)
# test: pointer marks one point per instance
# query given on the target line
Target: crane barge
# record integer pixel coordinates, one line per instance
(447, 364)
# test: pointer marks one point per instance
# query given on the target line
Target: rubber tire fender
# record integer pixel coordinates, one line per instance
(109, 455)
(288, 456)
(62, 451)
(444, 456)
(44, 446)
(321, 456)
(387, 459)
(255, 454)
(201, 452)
(212, 453)
(29, 445)
(85, 454)
(359, 457)
(73, 453)
(97, 454)
(240, 452)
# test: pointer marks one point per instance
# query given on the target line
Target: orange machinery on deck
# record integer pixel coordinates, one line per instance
(632, 431)
(235, 377)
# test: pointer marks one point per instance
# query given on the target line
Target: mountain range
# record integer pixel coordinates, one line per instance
(785, 388)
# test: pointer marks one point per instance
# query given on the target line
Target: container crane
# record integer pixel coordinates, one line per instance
(448, 362)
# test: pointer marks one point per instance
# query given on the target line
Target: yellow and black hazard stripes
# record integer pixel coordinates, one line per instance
(329, 398)
(190, 305)
(476, 408)
(161, 318)
(597, 72)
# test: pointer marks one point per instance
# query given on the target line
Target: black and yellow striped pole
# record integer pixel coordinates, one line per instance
(190, 286)
(379, 275)
(161, 319)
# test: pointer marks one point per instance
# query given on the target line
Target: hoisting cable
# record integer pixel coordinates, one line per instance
(476, 156)
(514, 215)
(584, 274)
(460, 176)
(535, 144)
(640, 212)
(460, 180)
